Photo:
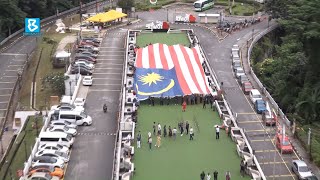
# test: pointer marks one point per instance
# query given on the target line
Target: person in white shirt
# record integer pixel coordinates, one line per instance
(149, 134)
(159, 129)
(208, 176)
(191, 133)
(174, 133)
(217, 132)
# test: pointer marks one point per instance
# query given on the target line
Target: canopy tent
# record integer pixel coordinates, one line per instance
(107, 17)
(163, 70)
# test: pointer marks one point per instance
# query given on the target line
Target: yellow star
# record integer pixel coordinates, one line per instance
(150, 78)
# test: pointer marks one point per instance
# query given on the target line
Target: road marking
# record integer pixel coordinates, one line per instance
(13, 54)
(15, 65)
(278, 162)
(7, 82)
(19, 60)
(243, 122)
(3, 102)
(122, 55)
(112, 47)
(105, 90)
(108, 73)
(246, 113)
(107, 78)
(255, 130)
(281, 175)
(114, 51)
(260, 151)
(10, 76)
(109, 68)
(261, 140)
(111, 59)
(107, 84)
(5, 94)
(15, 70)
(3, 109)
(111, 64)
(5, 88)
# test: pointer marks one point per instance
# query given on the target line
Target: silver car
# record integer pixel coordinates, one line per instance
(301, 169)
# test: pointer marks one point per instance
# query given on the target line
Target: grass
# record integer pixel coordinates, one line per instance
(241, 9)
(144, 5)
(165, 38)
(182, 158)
(26, 136)
(45, 67)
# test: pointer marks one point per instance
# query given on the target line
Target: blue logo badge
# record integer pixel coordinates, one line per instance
(32, 26)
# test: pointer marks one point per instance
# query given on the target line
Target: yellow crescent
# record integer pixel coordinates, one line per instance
(157, 92)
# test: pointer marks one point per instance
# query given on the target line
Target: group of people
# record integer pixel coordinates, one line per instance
(203, 175)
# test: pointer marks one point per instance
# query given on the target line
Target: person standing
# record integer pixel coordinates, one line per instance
(181, 129)
(215, 175)
(217, 132)
(154, 128)
(161, 100)
(170, 131)
(159, 129)
(187, 127)
(139, 140)
(191, 133)
(184, 106)
(204, 102)
(164, 131)
(149, 134)
(150, 142)
(174, 132)
(242, 171)
(228, 175)
(208, 176)
(158, 141)
(202, 175)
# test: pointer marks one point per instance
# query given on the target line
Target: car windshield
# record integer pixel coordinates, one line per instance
(48, 176)
(87, 78)
(303, 169)
(240, 71)
(53, 160)
(248, 86)
(69, 137)
(65, 128)
(285, 143)
(256, 96)
(83, 114)
(78, 101)
(59, 146)
(197, 5)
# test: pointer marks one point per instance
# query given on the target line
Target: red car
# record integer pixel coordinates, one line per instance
(247, 87)
(89, 43)
(284, 144)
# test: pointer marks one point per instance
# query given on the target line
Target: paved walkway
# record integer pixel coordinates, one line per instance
(66, 40)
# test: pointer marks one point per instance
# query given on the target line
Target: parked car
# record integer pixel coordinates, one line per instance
(243, 79)
(260, 106)
(283, 144)
(84, 61)
(313, 177)
(67, 107)
(246, 87)
(63, 123)
(236, 65)
(88, 42)
(42, 176)
(85, 57)
(53, 153)
(55, 147)
(269, 116)
(48, 170)
(64, 129)
(89, 47)
(301, 169)
(81, 65)
(79, 102)
(239, 71)
(83, 71)
(89, 54)
(87, 81)
(254, 95)
(47, 161)
(91, 39)
(235, 60)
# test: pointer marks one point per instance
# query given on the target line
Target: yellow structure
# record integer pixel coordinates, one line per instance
(107, 17)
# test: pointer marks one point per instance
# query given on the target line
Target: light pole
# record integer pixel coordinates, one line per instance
(70, 88)
(167, 15)
(2, 151)
(309, 142)
(252, 34)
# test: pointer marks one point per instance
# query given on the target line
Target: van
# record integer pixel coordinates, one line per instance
(79, 118)
(269, 116)
(56, 137)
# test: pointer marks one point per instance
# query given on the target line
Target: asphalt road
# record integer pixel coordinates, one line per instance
(93, 151)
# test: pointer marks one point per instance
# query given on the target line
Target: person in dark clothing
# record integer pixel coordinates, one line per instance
(176, 100)
(204, 102)
(211, 101)
(161, 100)
(164, 131)
(187, 127)
(149, 100)
(152, 101)
(154, 128)
(168, 100)
(181, 128)
(170, 131)
(202, 175)
(215, 175)
(242, 168)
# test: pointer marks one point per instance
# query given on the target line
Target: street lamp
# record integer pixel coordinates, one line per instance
(309, 142)
(252, 34)
(167, 15)
(70, 88)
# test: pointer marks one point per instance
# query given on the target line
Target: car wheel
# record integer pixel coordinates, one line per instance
(85, 124)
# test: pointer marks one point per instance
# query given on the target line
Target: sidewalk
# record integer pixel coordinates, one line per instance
(302, 153)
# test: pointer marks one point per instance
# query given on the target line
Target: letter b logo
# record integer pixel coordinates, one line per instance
(32, 25)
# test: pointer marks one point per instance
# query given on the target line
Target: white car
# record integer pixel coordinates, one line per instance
(42, 176)
(53, 153)
(301, 169)
(55, 147)
(87, 81)
(63, 123)
(90, 65)
(239, 72)
(47, 161)
(68, 107)
(79, 102)
(64, 129)
(255, 95)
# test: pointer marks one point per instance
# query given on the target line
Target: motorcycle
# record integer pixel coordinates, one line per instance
(105, 108)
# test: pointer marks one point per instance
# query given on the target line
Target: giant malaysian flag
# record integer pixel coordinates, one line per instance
(163, 70)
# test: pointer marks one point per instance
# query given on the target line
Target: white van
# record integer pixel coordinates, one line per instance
(56, 137)
(79, 118)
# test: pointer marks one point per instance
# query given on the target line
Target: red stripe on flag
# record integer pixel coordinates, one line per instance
(190, 68)
(182, 81)
(163, 58)
(196, 56)
(152, 62)
(139, 58)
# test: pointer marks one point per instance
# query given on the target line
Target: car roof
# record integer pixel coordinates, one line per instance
(247, 83)
(300, 163)
(255, 92)
(42, 158)
(260, 100)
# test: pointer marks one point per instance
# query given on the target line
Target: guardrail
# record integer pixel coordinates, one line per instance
(51, 19)
(261, 86)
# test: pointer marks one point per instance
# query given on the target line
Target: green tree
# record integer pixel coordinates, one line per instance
(309, 108)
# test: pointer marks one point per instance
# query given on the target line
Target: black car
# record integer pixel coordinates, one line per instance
(80, 49)
(83, 71)
(242, 79)
(236, 65)
(86, 57)
(91, 39)
(81, 66)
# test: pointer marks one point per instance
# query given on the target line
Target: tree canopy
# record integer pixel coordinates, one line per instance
(293, 72)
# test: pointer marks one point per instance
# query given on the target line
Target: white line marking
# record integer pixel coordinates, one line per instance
(7, 82)
(15, 65)
(112, 59)
(108, 73)
(20, 60)
(109, 68)
(111, 47)
(5, 94)
(4, 102)
(12, 54)
(105, 90)
(120, 55)
(6, 88)
(3, 109)
(113, 51)
(107, 84)
(110, 64)
(107, 78)
(15, 70)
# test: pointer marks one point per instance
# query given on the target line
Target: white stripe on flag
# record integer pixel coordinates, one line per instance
(145, 57)
(185, 71)
(157, 56)
(199, 54)
(196, 70)
(168, 56)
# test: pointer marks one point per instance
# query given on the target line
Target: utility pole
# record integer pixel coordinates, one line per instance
(2, 151)
(252, 34)
(167, 15)
(309, 142)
